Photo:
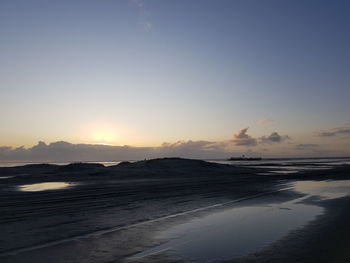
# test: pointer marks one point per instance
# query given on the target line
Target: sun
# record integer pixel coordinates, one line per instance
(104, 137)
(107, 133)
(100, 133)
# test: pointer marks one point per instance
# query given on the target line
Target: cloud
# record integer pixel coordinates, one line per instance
(147, 26)
(203, 145)
(241, 138)
(345, 130)
(306, 146)
(274, 138)
(265, 121)
(195, 149)
(144, 15)
(62, 151)
(67, 152)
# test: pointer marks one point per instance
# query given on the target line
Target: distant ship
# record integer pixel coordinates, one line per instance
(244, 158)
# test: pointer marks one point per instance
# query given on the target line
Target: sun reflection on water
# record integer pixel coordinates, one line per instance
(44, 186)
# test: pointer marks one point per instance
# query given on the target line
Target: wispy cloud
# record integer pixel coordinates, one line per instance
(306, 146)
(265, 121)
(344, 130)
(144, 14)
(203, 145)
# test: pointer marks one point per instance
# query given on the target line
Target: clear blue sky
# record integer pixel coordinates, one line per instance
(147, 72)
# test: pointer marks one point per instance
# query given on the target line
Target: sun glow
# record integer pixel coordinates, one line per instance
(104, 137)
(104, 144)
(107, 133)
(100, 133)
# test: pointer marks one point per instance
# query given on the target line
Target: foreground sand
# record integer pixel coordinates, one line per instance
(109, 214)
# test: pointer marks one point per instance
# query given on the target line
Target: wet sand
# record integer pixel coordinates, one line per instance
(110, 214)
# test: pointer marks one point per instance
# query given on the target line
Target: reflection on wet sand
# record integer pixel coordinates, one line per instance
(43, 186)
(6, 177)
(240, 231)
(324, 189)
(234, 232)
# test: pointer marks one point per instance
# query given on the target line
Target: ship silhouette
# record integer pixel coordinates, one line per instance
(244, 158)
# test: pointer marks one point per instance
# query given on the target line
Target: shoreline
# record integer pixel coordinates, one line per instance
(133, 199)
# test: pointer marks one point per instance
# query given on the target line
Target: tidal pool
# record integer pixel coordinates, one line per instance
(233, 232)
(43, 186)
(240, 231)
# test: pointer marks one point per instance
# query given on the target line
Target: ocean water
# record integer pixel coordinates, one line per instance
(290, 165)
(290, 161)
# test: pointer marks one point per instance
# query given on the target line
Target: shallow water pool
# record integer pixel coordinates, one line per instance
(324, 189)
(44, 186)
(240, 231)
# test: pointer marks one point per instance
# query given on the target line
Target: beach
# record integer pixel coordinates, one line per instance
(166, 210)
(143, 131)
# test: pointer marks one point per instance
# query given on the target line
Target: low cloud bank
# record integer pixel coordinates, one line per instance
(65, 151)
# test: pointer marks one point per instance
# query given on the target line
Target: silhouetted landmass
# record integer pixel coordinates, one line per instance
(80, 167)
(153, 167)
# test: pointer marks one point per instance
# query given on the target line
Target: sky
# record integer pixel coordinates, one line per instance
(269, 78)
